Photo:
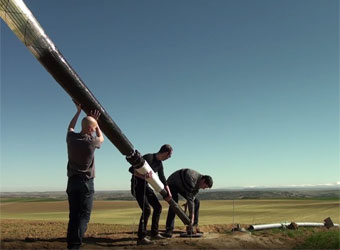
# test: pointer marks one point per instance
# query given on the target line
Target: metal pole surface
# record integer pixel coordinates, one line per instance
(25, 26)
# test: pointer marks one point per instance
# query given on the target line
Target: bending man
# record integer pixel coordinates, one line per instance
(187, 183)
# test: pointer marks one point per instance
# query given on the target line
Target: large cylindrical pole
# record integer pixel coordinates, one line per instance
(24, 25)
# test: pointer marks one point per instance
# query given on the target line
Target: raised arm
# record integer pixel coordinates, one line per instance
(95, 114)
(74, 120)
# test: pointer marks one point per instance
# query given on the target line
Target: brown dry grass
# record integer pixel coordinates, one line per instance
(37, 225)
(21, 234)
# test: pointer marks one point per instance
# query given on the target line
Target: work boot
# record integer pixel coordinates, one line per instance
(144, 241)
(157, 237)
(198, 231)
(73, 246)
(167, 234)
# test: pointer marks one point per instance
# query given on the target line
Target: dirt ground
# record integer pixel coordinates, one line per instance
(51, 235)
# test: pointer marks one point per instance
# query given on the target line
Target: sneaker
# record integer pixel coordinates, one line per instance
(157, 237)
(144, 241)
(167, 234)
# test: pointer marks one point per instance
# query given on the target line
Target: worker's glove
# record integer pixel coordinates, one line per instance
(136, 159)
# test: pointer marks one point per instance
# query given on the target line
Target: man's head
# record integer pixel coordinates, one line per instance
(164, 152)
(206, 182)
(88, 125)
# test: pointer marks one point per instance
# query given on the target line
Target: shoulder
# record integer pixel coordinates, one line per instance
(148, 157)
(95, 141)
(72, 134)
(192, 172)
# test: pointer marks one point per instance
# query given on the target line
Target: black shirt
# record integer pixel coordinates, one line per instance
(155, 164)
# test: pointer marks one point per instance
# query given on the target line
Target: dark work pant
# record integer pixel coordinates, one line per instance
(145, 197)
(80, 193)
(170, 220)
(197, 211)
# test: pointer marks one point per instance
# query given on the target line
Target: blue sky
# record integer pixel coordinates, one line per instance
(245, 91)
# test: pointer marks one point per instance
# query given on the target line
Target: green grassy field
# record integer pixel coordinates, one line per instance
(211, 212)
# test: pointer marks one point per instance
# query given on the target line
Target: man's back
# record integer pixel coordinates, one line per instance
(185, 179)
(81, 149)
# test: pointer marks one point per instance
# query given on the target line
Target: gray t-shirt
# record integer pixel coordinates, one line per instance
(80, 148)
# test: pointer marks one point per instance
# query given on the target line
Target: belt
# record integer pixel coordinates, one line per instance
(79, 177)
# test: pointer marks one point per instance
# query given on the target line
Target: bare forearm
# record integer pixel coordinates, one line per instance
(74, 120)
(99, 134)
(192, 219)
(191, 209)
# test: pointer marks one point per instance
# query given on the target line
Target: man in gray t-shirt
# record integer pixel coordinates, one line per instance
(81, 172)
(81, 149)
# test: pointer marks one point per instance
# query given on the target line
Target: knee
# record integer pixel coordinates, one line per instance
(74, 216)
(147, 211)
(158, 209)
(85, 215)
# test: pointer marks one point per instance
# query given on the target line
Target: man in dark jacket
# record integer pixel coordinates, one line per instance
(187, 183)
(145, 196)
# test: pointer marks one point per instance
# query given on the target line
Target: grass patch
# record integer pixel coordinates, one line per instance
(321, 240)
(295, 234)
(211, 212)
(331, 198)
(29, 199)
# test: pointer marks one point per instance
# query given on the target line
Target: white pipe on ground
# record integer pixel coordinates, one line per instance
(309, 224)
(268, 226)
(284, 225)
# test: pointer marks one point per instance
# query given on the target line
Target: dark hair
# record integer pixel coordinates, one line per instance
(166, 148)
(208, 180)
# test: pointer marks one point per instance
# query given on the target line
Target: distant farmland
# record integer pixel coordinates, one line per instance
(214, 194)
(212, 211)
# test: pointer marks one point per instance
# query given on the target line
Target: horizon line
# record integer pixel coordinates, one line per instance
(328, 185)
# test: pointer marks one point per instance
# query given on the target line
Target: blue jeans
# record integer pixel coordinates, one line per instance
(80, 193)
(170, 220)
